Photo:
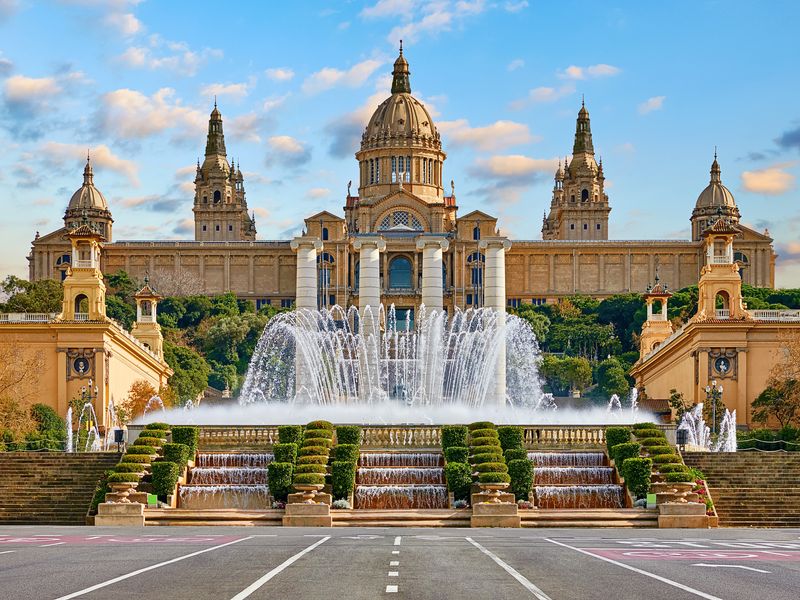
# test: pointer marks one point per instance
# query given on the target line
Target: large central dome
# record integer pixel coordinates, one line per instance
(401, 120)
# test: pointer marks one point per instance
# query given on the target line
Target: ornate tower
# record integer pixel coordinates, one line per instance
(84, 290)
(657, 327)
(89, 203)
(146, 328)
(713, 202)
(220, 207)
(579, 207)
(720, 285)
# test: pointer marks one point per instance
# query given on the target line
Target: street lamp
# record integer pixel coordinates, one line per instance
(713, 395)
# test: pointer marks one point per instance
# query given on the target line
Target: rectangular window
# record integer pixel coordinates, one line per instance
(371, 171)
(394, 169)
(469, 299)
(597, 226)
(332, 300)
(287, 302)
(538, 301)
(408, 168)
(377, 171)
(262, 302)
(514, 302)
(217, 228)
(405, 319)
(572, 225)
(204, 227)
(230, 227)
(585, 226)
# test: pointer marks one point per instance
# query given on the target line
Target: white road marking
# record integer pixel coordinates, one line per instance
(245, 593)
(731, 567)
(7, 551)
(394, 563)
(53, 544)
(524, 581)
(95, 537)
(397, 540)
(394, 573)
(391, 589)
(395, 551)
(146, 569)
(680, 586)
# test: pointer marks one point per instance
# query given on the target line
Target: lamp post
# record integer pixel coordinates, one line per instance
(713, 394)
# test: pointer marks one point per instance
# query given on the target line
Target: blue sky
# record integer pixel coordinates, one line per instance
(296, 82)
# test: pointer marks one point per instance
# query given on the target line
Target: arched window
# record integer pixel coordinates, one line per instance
(408, 169)
(400, 273)
(147, 308)
(371, 171)
(217, 196)
(356, 272)
(324, 233)
(476, 233)
(401, 219)
(584, 195)
(572, 198)
(394, 169)
(476, 261)
(81, 304)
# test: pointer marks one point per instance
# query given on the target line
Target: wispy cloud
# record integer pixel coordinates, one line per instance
(330, 77)
(6, 66)
(543, 94)
(69, 157)
(489, 138)
(176, 57)
(789, 140)
(513, 166)
(591, 72)
(515, 7)
(419, 18)
(287, 151)
(125, 23)
(317, 193)
(651, 104)
(279, 74)
(246, 127)
(8, 8)
(515, 64)
(773, 180)
(232, 90)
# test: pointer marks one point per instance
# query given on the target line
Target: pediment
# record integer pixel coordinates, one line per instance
(325, 216)
(53, 236)
(751, 235)
(477, 215)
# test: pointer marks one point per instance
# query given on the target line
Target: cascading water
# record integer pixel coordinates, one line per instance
(400, 480)
(154, 403)
(574, 480)
(68, 445)
(634, 400)
(567, 459)
(88, 417)
(571, 475)
(699, 434)
(227, 480)
(726, 442)
(614, 403)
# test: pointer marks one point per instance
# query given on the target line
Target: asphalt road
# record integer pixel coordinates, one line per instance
(230, 563)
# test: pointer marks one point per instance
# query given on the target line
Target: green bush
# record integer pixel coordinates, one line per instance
(48, 422)
(485, 441)
(164, 478)
(480, 425)
(309, 478)
(636, 472)
(456, 454)
(128, 468)
(321, 459)
(151, 450)
(327, 425)
(162, 434)
(622, 451)
(317, 441)
(325, 434)
(157, 425)
(100, 492)
(2, 446)
(459, 479)
(347, 453)
(479, 459)
(311, 468)
(123, 478)
(480, 433)
(494, 478)
(617, 435)
(149, 441)
(664, 458)
(650, 442)
(285, 452)
(521, 473)
(511, 437)
(653, 450)
(515, 454)
(177, 453)
(313, 450)
(290, 434)
(280, 479)
(348, 435)
(454, 436)
(644, 426)
(491, 467)
(189, 435)
(679, 477)
(343, 479)
(672, 468)
(486, 450)
(136, 458)
(643, 433)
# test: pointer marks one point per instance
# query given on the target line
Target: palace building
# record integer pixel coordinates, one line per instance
(403, 202)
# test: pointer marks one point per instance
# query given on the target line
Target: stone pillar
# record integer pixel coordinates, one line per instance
(494, 250)
(306, 249)
(432, 289)
(369, 307)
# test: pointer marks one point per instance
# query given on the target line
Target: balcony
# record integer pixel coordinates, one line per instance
(27, 317)
(81, 316)
(723, 313)
(776, 315)
(146, 319)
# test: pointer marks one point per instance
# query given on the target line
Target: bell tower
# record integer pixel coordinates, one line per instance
(657, 327)
(146, 328)
(720, 285)
(84, 290)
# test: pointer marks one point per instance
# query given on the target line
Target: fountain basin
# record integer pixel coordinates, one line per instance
(578, 496)
(400, 475)
(398, 497)
(244, 497)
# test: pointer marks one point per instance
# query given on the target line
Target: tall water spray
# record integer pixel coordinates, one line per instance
(699, 434)
(68, 445)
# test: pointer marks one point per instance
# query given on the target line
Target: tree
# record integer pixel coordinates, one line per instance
(610, 378)
(565, 374)
(538, 322)
(169, 283)
(678, 404)
(45, 296)
(779, 403)
(191, 371)
(121, 284)
(121, 311)
(139, 394)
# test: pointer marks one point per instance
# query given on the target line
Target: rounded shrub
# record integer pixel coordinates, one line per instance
(155, 433)
(459, 479)
(456, 454)
(123, 478)
(622, 451)
(343, 479)
(313, 451)
(679, 477)
(348, 434)
(673, 468)
(164, 478)
(479, 459)
(151, 450)
(136, 458)
(311, 468)
(617, 435)
(157, 425)
(644, 425)
(149, 441)
(48, 423)
(479, 433)
(494, 478)
(515, 454)
(660, 450)
(318, 433)
(280, 479)
(643, 433)
(309, 478)
(511, 437)
(650, 441)
(637, 472)
(177, 453)
(491, 467)
(320, 459)
(485, 441)
(326, 425)
(290, 434)
(285, 452)
(346, 453)
(664, 458)
(454, 436)
(480, 425)
(317, 441)
(128, 468)
(521, 473)
(486, 450)
(189, 435)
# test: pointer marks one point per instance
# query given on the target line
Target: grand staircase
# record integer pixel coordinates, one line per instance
(49, 488)
(752, 489)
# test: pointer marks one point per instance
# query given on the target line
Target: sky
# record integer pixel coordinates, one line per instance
(133, 81)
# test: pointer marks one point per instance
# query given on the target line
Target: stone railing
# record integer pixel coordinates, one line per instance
(27, 317)
(237, 437)
(776, 315)
(723, 313)
(401, 436)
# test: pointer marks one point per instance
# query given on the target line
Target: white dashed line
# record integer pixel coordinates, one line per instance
(395, 551)
(7, 551)
(390, 589)
(394, 573)
(53, 544)
(394, 563)
(397, 540)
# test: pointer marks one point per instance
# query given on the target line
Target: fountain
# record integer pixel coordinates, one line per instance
(699, 434)
(574, 480)
(227, 480)
(68, 445)
(153, 403)
(399, 480)
(614, 403)
(88, 417)
(633, 398)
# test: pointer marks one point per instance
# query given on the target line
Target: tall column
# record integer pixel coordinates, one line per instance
(306, 249)
(432, 290)
(369, 297)
(494, 250)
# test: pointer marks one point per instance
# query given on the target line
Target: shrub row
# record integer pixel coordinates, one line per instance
(314, 449)
(345, 461)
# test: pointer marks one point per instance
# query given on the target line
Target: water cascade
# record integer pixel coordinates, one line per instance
(88, 419)
(614, 403)
(68, 445)
(699, 434)
(154, 403)
(400, 480)
(574, 480)
(227, 480)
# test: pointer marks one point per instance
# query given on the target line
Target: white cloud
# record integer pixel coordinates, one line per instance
(288, 151)
(773, 180)
(317, 193)
(129, 114)
(438, 20)
(234, 90)
(329, 77)
(125, 23)
(543, 94)
(515, 64)
(274, 102)
(651, 104)
(388, 8)
(245, 127)
(30, 92)
(164, 54)
(279, 74)
(489, 138)
(6, 66)
(513, 166)
(590, 72)
(514, 7)
(261, 212)
(59, 155)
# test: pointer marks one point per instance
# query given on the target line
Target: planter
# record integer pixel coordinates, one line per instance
(309, 491)
(122, 490)
(493, 491)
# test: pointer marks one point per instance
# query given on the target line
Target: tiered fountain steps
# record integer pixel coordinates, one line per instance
(575, 480)
(227, 480)
(598, 517)
(390, 481)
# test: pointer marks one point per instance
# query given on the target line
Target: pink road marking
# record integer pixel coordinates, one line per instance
(690, 555)
(118, 540)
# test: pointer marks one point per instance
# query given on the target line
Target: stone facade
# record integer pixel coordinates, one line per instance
(401, 196)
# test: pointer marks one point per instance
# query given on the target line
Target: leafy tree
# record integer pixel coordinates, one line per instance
(781, 402)
(121, 311)
(678, 403)
(538, 322)
(121, 284)
(191, 371)
(623, 312)
(563, 374)
(610, 378)
(45, 296)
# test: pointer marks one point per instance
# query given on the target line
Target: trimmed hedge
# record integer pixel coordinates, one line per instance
(317, 433)
(145, 449)
(120, 477)
(189, 435)
(285, 452)
(149, 441)
(494, 478)
(326, 425)
(321, 459)
(136, 458)
(311, 468)
(155, 433)
(617, 435)
(485, 441)
(486, 450)
(456, 454)
(481, 433)
(491, 467)
(660, 450)
(280, 479)
(664, 458)
(347, 453)
(521, 473)
(622, 451)
(177, 453)
(313, 451)
(348, 435)
(646, 425)
(454, 436)
(128, 468)
(678, 477)
(643, 433)
(164, 478)
(673, 468)
(343, 478)
(479, 459)
(317, 441)
(515, 454)
(636, 472)
(290, 434)
(459, 479)
(158, 425)
(511, 437)
(480, 425)
(650, 441)
(309, 478)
